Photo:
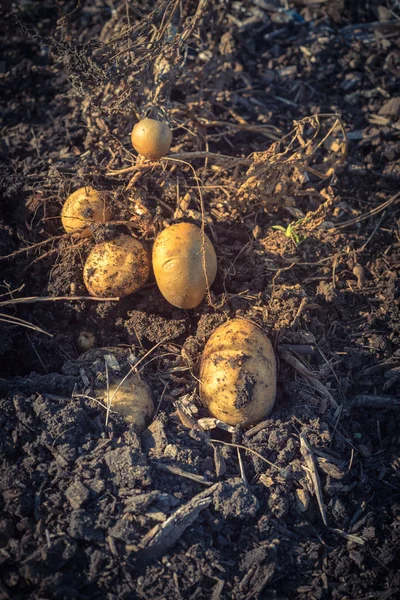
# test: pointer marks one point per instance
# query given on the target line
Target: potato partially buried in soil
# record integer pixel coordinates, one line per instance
(238, 374)
(132, 400)
(84, 207)
(116, 267)
(179, 259)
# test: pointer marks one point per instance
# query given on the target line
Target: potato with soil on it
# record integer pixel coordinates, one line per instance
(116, 267)
(238, 373)
(184, 263)
(83, 208)
(151, 139)
(86, 340)
(132, 400)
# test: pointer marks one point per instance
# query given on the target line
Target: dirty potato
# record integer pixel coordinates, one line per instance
(132, 400)
(238, 373)
(86, 340)
(84, 207)
(180, 260)
(116, 267)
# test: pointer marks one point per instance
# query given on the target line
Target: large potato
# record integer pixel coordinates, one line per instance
(84, 207)
(238, 373)
(178, 264)
(116, 267)
(132, 400)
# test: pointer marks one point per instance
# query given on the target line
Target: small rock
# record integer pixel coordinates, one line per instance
(365, 453)
(302, 499)
(124, 530)
(359, 272)
(326, 225)
(154, 437)
(338, 508)
(171, 451)
(77, 494)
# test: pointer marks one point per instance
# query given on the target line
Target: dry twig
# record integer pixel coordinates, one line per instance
(312, 474)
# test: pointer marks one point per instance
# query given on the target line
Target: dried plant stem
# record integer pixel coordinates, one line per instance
(31, 299)
(4, 318)
(309, 375)
(247, 450)
(184, 156)
(34, 246)
(245, 161)
(370, 213)
(203, 233)
(313, 476)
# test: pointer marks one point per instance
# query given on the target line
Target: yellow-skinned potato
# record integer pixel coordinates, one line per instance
(84, 207)
(116, 267)
(238, 373)
(179, 266)
(151, 138)
(132, 400)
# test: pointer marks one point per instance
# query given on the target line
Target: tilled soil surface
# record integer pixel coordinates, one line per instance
(305, 504)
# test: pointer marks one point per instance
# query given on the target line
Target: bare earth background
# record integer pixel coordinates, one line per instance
(79, 501)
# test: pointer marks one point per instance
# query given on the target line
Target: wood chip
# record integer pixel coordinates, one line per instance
(348, 536)
(165, 535)
(378, 402)
(181, 473)
(391, 108)
(219, 461)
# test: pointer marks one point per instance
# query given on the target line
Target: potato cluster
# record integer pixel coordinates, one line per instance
(238, 368)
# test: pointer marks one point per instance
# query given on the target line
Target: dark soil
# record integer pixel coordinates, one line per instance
(95, 511)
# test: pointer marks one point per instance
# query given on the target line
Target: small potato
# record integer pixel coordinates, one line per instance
(132, 400)
(116, 267)
(86, 340)
(84, 207)
(238, 374)
(179, 265)
(151, 138)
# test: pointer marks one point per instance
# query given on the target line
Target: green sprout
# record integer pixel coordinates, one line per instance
(290, 232)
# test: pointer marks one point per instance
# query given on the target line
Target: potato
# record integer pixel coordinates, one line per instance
(116, 267)
(151, 138)
(238, 374)
(84, 207)
(86, 340)
(132, 400)
(178, 264)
